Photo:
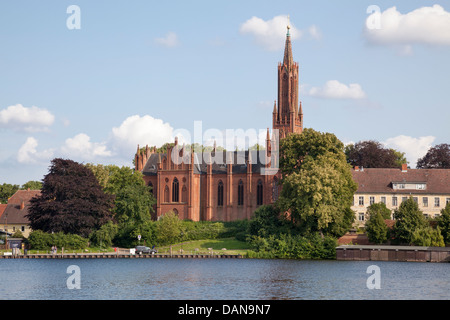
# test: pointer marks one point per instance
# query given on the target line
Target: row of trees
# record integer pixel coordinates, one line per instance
(372, 154)
(411, 226)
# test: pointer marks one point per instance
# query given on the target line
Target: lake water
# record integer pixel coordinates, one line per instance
(219, 279)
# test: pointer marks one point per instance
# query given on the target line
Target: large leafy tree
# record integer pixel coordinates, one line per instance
(437, 157)
(408, 218)
(376, 228)
(372, 154)
(317, 185)
(71, 201)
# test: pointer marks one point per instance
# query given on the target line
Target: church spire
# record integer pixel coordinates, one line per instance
(288, 60)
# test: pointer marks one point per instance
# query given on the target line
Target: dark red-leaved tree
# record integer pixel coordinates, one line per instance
(372, 154)
(71, 201)
(437, 157)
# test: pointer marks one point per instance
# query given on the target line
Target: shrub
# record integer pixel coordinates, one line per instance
(40, 240)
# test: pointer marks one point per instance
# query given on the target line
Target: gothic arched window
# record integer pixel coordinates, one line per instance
(259, 193)
(175, 190)
(184, 194)
(166, 194)
(240, 193)
(220, 194)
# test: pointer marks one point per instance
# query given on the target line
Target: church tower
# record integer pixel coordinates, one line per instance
(288, 115)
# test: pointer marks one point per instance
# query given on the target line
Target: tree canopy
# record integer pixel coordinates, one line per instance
(372, 154)
(71, 201)
(317, 185)
(437, 157)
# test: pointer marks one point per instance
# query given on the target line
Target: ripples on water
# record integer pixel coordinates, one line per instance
(217, 279)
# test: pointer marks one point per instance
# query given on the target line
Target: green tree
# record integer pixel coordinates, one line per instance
(381, 208)
(408, 218)
(71, 201)
(133, 199)
(317, 186)
(169, 228)
(444, 223)
(6, 191)
(32, 185)
(376, 228)
(428, 237)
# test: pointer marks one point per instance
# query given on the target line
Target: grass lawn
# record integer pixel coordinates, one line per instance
(219, 246)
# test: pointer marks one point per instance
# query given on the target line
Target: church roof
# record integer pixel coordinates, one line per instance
(219, 160)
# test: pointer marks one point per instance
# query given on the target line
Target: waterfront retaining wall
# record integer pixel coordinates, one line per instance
(393, 253)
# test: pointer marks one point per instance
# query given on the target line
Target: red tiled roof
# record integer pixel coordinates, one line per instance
(13, 213)
(379, 180)
(2, 208)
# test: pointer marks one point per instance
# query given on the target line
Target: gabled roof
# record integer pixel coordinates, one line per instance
(14, 213)
(379, 180)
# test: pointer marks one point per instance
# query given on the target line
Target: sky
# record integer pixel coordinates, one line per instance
(92, 80)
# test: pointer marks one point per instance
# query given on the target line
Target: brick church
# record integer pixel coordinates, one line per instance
(225, 185)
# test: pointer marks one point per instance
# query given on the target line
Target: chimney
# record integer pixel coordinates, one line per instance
(356, 168)
(404, 167)
(22, 205)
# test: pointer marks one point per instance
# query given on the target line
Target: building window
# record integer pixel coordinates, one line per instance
(401, 186)
(372, 200)
(383, 200)
(361, 200)
(184, 197)
(166, 194)
(420, 186)
(416, 200)
(361, 216)
(394, 201)
(275, 189)
(150, 184)
(404, 199)
(447, 201)
(436, 202)
(23, 228)
(425, 201)
(175, 190)
(240, 193)
(259, 193)
(220, 194)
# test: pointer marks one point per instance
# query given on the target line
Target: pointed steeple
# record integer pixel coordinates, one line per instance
(288, 60)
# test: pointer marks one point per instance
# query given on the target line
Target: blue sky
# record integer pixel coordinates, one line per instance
(135, 72)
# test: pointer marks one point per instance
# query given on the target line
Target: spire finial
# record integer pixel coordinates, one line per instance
(288, 25)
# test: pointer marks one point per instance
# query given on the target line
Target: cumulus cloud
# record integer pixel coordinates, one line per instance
(426, 25)
(414, 148)
(141, 130)
(81, 147)
(170, 40)
(33, 119)
(334, 89)
(271, 34)
(28, 153)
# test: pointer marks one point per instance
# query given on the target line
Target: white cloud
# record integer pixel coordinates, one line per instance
(141, 130)
(28, 154)
(170, 40)
(333, 89)
(21, 118)
(314, 32)
(414, 148)
(271, 34)
(81, 146)
(426, 25)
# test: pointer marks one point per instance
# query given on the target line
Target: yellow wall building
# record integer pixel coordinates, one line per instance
(430, 188)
